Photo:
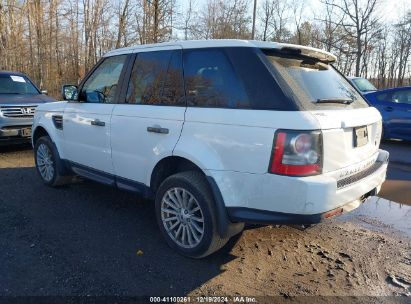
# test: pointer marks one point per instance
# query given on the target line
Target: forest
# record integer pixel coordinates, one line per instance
(57, 41)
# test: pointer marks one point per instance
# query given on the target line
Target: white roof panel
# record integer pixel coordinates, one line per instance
(194, 44)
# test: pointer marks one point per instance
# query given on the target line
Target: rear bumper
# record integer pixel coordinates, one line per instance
(274, 199)
(256, 216)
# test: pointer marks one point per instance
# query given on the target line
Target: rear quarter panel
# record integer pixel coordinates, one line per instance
(235, 140)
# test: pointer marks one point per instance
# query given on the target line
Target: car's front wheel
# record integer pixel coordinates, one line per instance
(187, 216)
(48, 163)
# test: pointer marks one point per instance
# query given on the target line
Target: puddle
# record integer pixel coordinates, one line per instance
(381, 213)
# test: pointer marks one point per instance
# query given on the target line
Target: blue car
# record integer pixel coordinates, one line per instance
(395, 107)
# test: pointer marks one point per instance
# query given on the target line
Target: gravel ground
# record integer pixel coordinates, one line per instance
(83, 239)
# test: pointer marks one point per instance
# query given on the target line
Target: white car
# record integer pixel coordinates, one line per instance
(219, 133)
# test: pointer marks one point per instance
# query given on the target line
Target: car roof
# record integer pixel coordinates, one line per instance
(196, 44)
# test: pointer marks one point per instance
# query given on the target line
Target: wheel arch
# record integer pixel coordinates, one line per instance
(168, 166)
(174, 164)
(38, 132)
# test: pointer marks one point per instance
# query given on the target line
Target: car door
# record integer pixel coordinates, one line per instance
(147, 124)
(87, 121)
(395, 107)
(401, 121)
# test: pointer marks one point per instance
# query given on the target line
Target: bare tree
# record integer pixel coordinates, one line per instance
(403, 43)
(154, 20)
(123, 16)
(359, 22)
(274, 16)
(228, 19)
(58, 41)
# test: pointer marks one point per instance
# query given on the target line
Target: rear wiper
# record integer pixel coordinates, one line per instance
(335, 100)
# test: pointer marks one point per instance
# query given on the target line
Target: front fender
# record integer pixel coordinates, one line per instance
(43, 119)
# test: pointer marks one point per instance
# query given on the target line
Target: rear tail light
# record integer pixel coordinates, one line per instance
(297, 153)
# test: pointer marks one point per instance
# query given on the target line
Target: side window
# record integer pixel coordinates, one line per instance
(403, 96)
(102, 85)
(156, 79)
(211, 80)
(383, 97)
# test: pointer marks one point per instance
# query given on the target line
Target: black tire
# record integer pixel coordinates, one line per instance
(59, 176)
(196, 184)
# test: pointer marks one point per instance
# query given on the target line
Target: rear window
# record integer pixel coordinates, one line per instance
(314, 84)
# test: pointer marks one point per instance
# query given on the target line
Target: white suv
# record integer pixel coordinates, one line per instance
(220, 133)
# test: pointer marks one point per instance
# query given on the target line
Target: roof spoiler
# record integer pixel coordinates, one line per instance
(309, 52)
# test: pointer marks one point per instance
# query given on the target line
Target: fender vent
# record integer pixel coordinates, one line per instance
(58, 121)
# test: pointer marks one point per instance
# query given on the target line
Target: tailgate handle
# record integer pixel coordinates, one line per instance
(389, 109)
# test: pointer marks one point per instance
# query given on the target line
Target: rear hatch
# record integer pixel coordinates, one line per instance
(351, 129)
(350, 138)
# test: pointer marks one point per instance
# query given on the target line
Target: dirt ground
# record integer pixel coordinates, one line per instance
(82, 240)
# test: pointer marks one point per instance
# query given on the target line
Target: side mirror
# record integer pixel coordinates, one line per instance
(69, 92)
(44, 92)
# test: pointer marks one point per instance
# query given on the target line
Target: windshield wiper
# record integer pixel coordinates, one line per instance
(335, 100)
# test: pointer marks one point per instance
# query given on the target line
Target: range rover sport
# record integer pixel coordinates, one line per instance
(218, 133)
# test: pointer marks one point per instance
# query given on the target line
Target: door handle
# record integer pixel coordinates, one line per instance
(389, 109)
(157, 129)
(98, 122)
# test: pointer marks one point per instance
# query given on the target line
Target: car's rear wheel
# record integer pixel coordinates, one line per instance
(186, 215)
(48, 163)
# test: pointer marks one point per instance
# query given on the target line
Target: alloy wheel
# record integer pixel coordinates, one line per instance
(45, 163)
(182, 217)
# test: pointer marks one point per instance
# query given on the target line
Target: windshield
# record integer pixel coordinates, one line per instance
(313, 83)
(16, 84)
(363, 85)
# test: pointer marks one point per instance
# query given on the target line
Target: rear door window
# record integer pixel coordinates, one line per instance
(402, 96)
(211, 81)
(156, 79)
(383, 97)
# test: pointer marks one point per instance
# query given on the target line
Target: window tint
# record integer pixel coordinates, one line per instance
(382, 97)
(211, 81)
(364, 85)
(156, 79)
(403, 96)
(102, 85)
(263, 90)
(312, 82)
(232, 77)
